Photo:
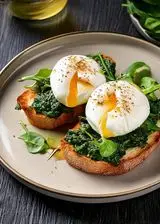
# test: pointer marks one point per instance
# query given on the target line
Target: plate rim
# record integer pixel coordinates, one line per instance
(20, 176)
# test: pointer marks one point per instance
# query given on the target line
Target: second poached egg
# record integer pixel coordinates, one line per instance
(116, 108)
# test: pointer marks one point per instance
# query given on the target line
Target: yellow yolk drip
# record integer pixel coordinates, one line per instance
(59, 155)
(73, 90)
(108, 105)
(72, 96)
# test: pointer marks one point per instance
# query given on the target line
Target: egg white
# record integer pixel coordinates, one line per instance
(132, 108)
(66, 68)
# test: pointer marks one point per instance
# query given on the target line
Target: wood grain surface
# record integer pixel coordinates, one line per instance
(19, 204)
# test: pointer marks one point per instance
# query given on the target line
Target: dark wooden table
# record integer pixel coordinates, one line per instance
(20, 205)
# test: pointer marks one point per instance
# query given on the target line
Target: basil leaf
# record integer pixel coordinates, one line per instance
(107, 147)
(35, 142)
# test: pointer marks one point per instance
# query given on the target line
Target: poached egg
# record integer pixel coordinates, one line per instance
(116, 108)
(73, 79)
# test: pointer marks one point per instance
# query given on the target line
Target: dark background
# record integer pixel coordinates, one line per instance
(19, 204)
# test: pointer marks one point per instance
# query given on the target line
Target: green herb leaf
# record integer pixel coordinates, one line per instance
(107, 66)
(107, 147)
(152, 2)
(151, 126)
(132, 9)
(35, 142)
(42, 80)
(147, 82)
(39, 76)
(46, 103)
(147, 14)
(149, 86)
(152, 24)
(135, 72)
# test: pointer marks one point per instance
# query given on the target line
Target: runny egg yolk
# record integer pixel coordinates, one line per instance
(73, 90)
(109, 104)
(72, 95)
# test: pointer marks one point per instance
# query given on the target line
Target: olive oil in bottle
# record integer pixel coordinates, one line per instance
(36, 9)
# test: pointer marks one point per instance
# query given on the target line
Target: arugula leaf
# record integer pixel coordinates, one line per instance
(107, 147)
(35, 143)
(149, 86)
(41, 78)
(135, 72)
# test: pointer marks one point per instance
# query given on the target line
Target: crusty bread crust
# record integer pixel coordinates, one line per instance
(42, 121)
(132, 158)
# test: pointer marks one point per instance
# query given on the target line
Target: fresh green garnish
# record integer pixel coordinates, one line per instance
(139, 73)
(35, 142)
(46, 103)
(136, 72)
(107, 147)
(152, 2)
(151, 125)
(148, 13)
(89, 143)
(155, 108)
(149, 86)
(107, 66)
(41, 78)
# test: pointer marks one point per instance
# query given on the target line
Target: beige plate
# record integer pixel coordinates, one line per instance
(57, 178)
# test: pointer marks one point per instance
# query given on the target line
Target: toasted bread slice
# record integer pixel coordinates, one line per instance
(41, 121)
(133, 158)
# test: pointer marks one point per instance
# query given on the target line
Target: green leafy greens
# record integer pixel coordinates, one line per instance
(149, 86)
(107, 147)
(139, 73)
(107, 66)
(46, 103)
(41, 78)
(87, 142)
(135, 72)
(148, 13)
(35, 142)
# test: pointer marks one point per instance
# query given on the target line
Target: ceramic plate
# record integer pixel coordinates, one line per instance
(55, 177)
